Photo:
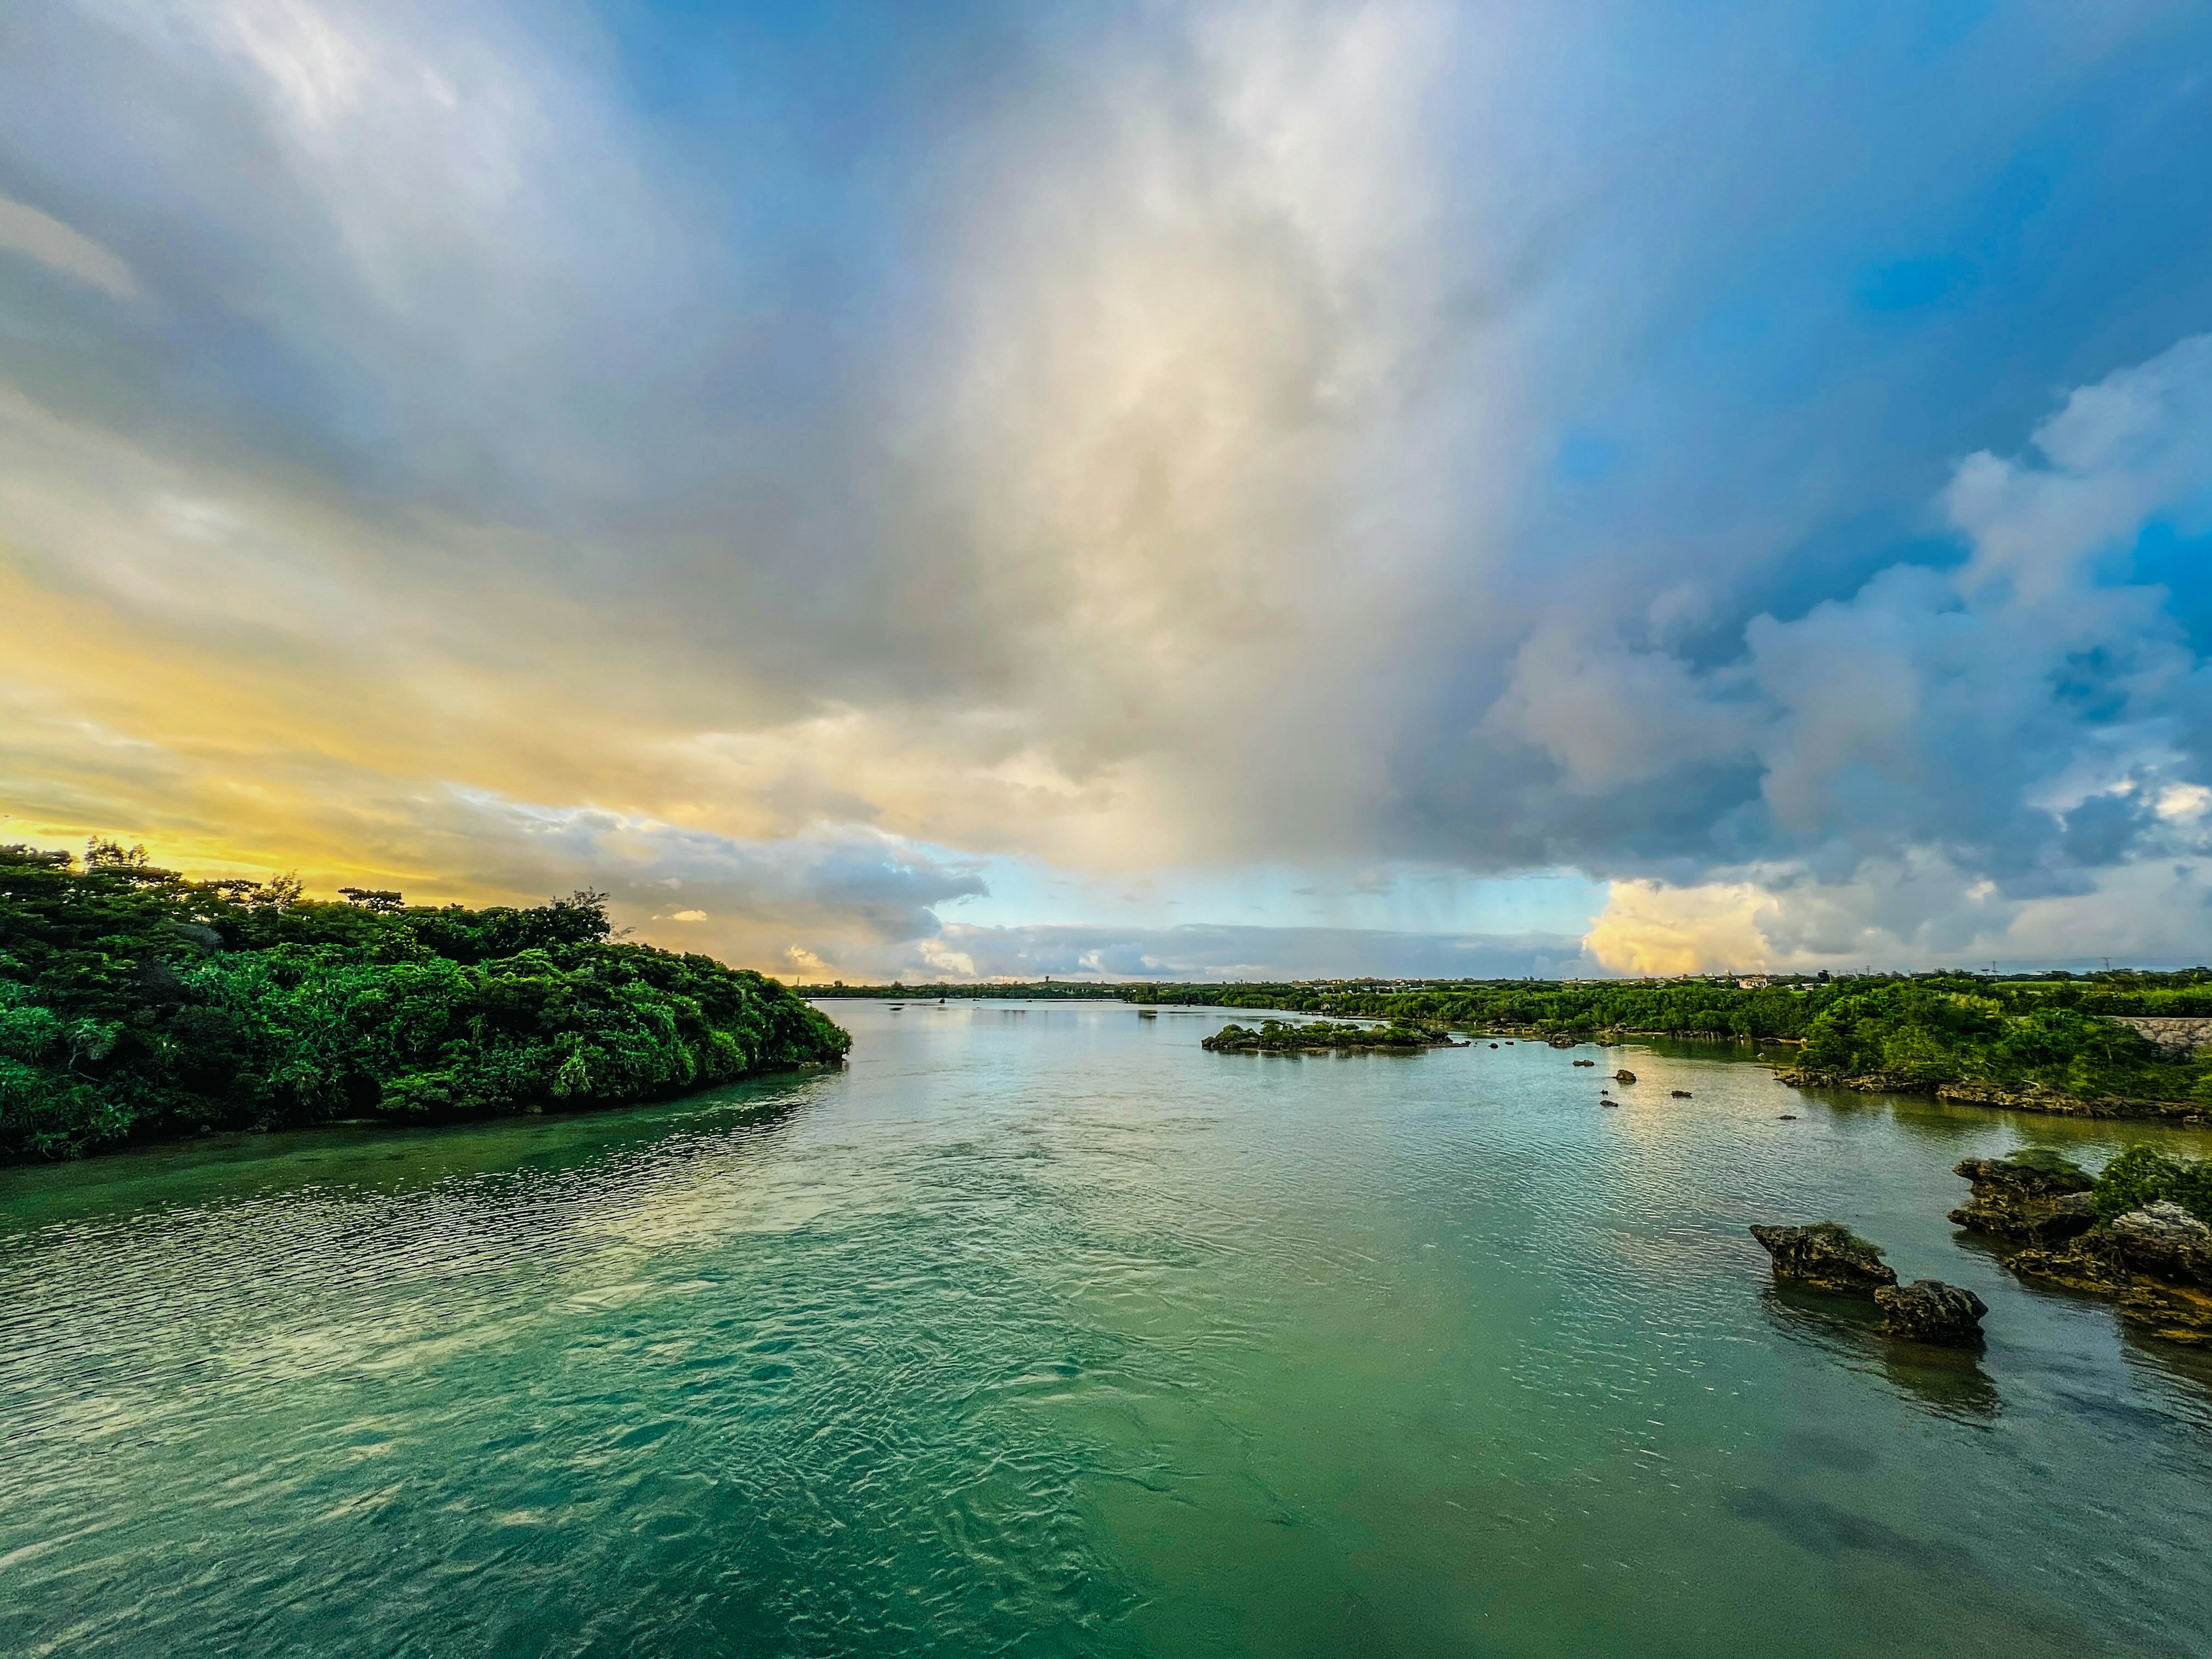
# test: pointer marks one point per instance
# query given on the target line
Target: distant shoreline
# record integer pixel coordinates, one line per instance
(2124, 1043)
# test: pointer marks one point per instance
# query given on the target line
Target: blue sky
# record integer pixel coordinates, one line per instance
(1170, 488)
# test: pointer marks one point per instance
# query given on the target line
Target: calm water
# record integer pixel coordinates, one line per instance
(1042, 1331)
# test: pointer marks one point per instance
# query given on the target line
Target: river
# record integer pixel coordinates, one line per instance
(1039, 1330)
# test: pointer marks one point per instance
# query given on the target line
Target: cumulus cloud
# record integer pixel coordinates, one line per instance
(2009, 750)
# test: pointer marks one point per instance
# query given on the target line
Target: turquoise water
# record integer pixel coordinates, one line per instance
(1039, 1330)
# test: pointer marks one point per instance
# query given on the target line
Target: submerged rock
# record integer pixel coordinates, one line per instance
(1679, 1094)
(2179, 1313)
(2156, 1263)
(1827, 1256)
(1929, 1310)
(2035, 1196)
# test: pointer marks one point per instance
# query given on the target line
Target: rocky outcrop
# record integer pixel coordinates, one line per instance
(2034, 1197)
(1827, 1256)
(2177, 1037)
(2156, 1263)
(1974, 1093)
(2166, 1241)
(2049, 1100)
(1929, 1310)
(1624, 1076)
(1867, 1083)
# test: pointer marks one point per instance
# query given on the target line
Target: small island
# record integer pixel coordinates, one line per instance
(1277, 1036)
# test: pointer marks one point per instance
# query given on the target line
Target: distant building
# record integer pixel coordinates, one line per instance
(1755, 982)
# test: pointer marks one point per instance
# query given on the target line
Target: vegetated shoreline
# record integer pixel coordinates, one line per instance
(137, 1006)
(1968, 1092)
(2050, 1043)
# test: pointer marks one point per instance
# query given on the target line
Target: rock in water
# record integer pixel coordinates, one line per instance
(1679, 1094)
(1624, 1077)
(2035, 1196)
(2157, 1261)
(1929, 1310)
(2165, 1241)
(1827, 1256)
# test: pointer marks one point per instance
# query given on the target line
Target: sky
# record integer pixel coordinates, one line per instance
(1151, 489)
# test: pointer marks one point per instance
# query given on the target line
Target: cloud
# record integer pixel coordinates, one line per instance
(1214, 951)
(1117, 440)
(1997, 739)
(1914, 912)
(25, 230)
(1649, 929)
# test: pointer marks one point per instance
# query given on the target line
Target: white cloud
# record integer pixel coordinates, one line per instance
(25, 230)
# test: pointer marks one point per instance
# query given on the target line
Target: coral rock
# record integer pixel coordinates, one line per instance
(2165, 1241)
(2034, 1196)
(1929, 1310)
(1825, 1255)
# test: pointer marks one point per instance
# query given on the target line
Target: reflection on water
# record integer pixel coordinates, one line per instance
(1041, 1330)
(1949, 1380)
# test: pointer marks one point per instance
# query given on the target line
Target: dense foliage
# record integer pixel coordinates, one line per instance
(135, 1004)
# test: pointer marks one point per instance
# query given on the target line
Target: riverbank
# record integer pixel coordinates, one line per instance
(1971, 1093)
